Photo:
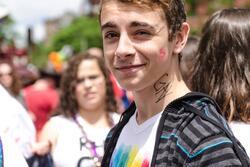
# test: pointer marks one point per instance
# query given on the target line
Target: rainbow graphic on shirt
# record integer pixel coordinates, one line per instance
(128, 156)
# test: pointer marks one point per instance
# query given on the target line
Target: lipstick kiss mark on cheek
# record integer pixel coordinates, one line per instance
(162, 54)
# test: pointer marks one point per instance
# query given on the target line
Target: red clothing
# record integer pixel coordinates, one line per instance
(118, 92)
(41, 103)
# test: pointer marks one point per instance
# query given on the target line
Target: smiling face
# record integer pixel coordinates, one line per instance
(136, 45)
(90, 88)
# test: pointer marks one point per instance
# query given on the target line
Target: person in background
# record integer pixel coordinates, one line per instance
(12, 114)
(10, 80)
(222, 69)
(142, 42)
(187, 59)
(41, 99)
(16, 125)
(76, 136)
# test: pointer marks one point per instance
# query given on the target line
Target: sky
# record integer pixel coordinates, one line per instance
(33, 13)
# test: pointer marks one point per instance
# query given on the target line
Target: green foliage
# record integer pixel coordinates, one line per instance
(39, 55)
(191, 4)
(6, 29)
(212, 5)
(220, 4)
(81, 34)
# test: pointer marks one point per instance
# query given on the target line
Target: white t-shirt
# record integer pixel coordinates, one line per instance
(12, 156)
(68, 150)
(15, 123)
(135, 145)
(241, 132)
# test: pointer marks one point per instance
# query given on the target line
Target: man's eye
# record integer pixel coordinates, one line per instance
(110, 35)
(142, 33)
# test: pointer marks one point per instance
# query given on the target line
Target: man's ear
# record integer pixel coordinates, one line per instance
(181, 38)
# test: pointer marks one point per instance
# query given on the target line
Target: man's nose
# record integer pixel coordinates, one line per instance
(125, 47)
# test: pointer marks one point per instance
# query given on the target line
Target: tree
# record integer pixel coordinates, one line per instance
(82, 33)
(6, 29)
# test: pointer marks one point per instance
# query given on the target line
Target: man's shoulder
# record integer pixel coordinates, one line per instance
(194, 128)
(206, 121)
(205, 143)
(198, 137)
(200, 106)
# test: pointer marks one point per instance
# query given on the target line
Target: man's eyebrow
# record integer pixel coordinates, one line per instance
(133, 24)
(141, 24)
(108, 25)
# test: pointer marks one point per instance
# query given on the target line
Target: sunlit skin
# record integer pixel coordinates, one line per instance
(139, 54)
(132, 43)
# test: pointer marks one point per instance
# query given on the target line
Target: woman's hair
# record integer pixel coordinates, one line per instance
(187, 58)
(68, 103)
(174, 11)
(16, 83)
(222, 69)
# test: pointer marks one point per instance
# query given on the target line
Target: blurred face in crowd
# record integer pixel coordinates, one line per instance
(136, 45)
(91, 87)
(5, 75)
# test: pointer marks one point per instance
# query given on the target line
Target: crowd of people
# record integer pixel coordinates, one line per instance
(153, 96)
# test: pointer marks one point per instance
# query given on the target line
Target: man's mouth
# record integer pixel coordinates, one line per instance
(129, 67)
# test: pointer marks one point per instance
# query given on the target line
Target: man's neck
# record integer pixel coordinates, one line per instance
(149, 103)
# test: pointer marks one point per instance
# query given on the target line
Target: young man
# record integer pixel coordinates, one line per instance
(142, 41)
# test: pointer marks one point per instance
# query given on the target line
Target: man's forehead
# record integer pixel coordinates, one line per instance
(115, 14)
(114, 5)
(132, 24)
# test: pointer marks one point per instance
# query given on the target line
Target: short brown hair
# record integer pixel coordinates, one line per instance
(174, 11)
